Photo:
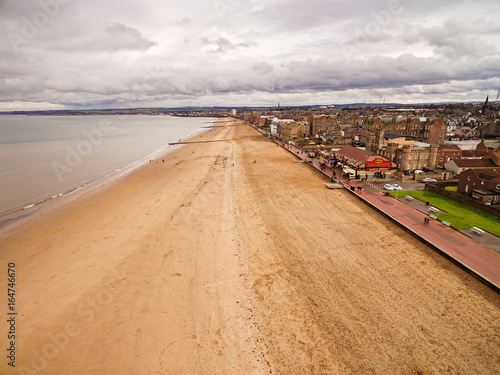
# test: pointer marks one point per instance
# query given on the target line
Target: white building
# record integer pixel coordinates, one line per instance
(274, 125)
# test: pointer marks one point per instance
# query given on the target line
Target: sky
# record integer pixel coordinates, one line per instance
(80, 54)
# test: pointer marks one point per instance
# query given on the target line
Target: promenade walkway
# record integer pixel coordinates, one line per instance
(469, 254)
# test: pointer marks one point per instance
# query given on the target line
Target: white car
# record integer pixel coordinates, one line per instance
(396, 187)
(428, 179)
(388, 187)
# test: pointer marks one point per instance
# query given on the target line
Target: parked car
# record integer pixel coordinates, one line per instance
(428, 179)
(388, 187)
(396, 187)
(418, 171)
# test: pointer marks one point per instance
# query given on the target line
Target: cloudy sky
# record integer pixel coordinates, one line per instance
(133, 53)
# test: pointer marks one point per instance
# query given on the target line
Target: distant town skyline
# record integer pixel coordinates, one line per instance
(75, 54)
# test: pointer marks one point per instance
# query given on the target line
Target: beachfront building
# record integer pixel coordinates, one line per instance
(291, 129)
(322, 123)
(274, 126)
(365, 163)
(410, 158)
(303, 128)
(287, 129)
(430, 130)
(407, 153)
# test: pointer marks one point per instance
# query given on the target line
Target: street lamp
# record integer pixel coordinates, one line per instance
(394, 214)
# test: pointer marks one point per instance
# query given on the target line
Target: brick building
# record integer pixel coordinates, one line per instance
(291, 129)
(459, 165)
(447, 153)
(482, 184)
(365, 163)
(322, 123)
(411, 158)
(431, 130)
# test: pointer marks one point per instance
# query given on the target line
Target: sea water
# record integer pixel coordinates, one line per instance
(46, 157)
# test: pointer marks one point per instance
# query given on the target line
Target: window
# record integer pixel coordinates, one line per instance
(482, 182)
(468, 178)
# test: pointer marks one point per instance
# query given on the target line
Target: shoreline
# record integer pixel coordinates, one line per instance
(49, 204)
(231, 258)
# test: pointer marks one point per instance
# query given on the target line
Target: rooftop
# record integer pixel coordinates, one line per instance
(396, 135)
(474, 163)
(486, 192)
(354, 153)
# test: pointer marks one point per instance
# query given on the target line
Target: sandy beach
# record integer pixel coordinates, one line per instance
(231, 258)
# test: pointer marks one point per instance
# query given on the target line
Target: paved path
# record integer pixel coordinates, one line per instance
(473, 256)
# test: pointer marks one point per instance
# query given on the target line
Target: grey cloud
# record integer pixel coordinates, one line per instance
(458, 38)
(262, 68)
(224, 45)
(113, 38)
(101, 54)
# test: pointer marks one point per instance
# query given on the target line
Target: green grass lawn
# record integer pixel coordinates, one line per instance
(459, 215)
(451, 188)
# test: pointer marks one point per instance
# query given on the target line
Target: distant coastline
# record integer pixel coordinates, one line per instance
(125, 112)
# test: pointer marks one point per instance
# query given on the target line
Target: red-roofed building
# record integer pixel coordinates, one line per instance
(482, 184)
(447, 153)
(365, 163)
(459, 165)
(474, 154)
(494, 156)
